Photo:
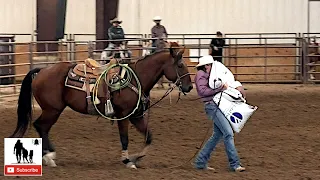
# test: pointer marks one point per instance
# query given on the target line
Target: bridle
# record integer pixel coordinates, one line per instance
(177, 83)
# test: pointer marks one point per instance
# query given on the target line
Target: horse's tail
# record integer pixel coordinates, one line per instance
(25, 104)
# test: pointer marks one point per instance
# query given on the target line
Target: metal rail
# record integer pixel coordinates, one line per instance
(75, 52)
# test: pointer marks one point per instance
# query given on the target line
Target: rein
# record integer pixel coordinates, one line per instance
(165, 94)
(177, 83)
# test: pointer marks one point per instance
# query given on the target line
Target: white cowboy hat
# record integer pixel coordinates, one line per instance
(115, 20)
(157, 18)
(205, 60)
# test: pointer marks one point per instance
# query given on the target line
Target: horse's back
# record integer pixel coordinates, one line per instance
(54, 72)
(48, 84)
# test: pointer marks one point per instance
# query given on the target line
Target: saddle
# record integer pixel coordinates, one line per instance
(90, 68)
(84, 76)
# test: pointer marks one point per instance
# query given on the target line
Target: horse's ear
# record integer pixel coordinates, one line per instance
(172, 52)
(183, 49)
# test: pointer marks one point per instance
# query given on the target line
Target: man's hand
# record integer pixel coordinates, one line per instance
(224, 87)
(215, 48)
(241, 89)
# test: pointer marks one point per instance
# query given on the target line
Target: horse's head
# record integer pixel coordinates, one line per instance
(176, 70)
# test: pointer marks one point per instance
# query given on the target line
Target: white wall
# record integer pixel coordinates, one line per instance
(18, 16)
(230, 16)
(81, 18)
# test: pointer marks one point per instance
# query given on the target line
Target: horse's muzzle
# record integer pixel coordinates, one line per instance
(186, 89)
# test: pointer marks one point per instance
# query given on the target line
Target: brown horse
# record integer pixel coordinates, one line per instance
(53, 97)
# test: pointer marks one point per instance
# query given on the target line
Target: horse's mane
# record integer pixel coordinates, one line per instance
(166, 49)
(170, 45)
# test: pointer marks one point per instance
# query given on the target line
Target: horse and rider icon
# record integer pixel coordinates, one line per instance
(19, 151)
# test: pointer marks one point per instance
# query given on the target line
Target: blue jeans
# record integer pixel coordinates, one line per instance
(221, 129)
(110, 47)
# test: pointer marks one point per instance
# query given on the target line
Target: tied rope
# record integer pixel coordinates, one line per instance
(123, 85)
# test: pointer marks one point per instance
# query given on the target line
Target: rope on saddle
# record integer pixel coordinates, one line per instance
(122, 84)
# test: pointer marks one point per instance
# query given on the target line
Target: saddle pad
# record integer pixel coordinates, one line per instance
(75, 81)
(73, 76)
(77, 84)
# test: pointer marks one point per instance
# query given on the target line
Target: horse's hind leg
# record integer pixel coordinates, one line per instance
(43, 125)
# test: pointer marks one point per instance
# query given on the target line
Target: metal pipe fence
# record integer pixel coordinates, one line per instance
(264, 62)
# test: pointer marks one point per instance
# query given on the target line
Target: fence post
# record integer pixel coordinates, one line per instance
(236, 57)
(265, 59)
(30, 55)
(90, 50)
(299, 58)
(199, 48)
(68, 48)
(183, 39)
(304, 60)
(260, 36)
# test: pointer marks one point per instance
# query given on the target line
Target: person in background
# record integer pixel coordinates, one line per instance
(146, 47)
(216, 46)
(314, 50)
(160, 32)
(115, 32)
(221, 127)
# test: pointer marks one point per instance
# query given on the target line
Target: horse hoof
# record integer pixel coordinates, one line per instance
(136, 158)
(49, 159)
(49, 162)
(51, 155)
(131, 165)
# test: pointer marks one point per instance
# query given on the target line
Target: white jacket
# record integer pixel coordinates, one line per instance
(220, 75)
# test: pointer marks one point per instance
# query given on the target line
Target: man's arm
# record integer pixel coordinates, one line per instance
(213, 42)
(223, 42)
(165, 31)
(153, 32)
(110, 33)
(203, 87)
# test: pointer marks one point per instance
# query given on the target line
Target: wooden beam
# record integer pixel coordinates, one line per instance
(46, 24)
(105, 11)
(50, 23)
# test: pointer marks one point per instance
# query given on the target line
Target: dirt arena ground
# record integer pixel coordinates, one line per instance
(280, 141)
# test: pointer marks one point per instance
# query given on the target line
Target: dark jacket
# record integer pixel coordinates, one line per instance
(219, 43)
(158, 31)
(115, 33)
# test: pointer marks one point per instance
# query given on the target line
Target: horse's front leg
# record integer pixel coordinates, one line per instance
(141, 125)
(123, 131)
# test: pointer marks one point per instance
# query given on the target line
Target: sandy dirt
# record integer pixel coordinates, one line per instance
(280, 141)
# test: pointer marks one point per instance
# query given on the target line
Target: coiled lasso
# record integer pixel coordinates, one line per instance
(123, 84)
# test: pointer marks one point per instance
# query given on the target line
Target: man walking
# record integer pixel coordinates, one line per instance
(216, 46)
